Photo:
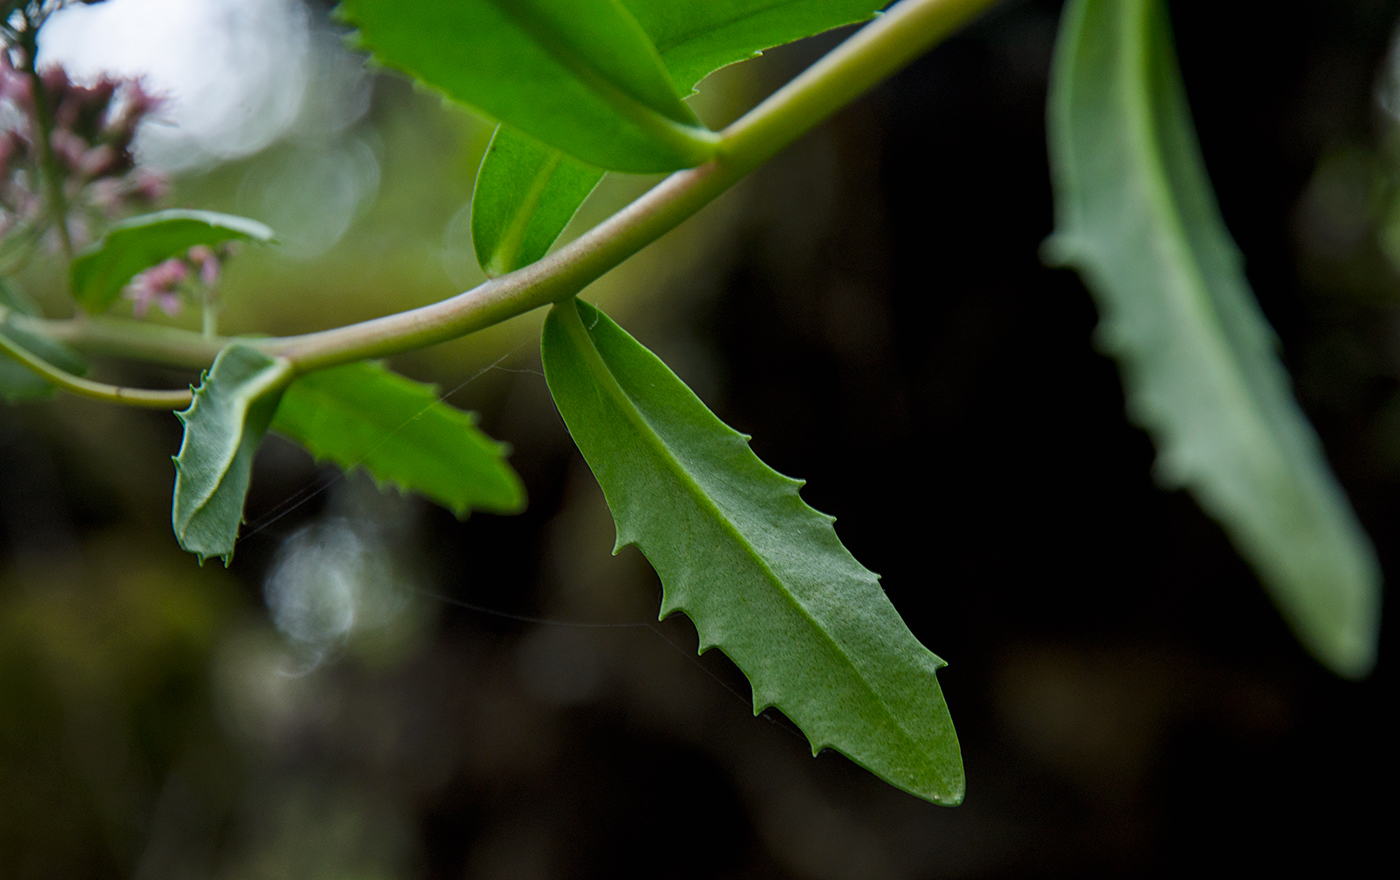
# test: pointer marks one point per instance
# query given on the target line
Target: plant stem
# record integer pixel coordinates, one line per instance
(875, 52)
(43, 122)
(117, 337)
(872, 54)
(95, 390)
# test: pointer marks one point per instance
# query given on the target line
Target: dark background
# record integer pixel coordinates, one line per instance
(877, 317)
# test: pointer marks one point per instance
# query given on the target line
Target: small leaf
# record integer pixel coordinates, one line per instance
(697, 37)
(397, 429)
(224, 426)
(762, 575)
(526, 193)
(138, 243)
(580, 75)
(1137, 216)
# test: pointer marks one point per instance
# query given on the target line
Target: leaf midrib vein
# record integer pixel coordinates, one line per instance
(603, 374)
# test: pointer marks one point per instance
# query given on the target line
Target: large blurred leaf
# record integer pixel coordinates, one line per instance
(397, 429)
(224, 426)
(138, 243)
(762, 575)
(526, 193)
(1136, 215)
(579, 75)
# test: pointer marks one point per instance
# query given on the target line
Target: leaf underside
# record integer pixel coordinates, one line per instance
(138, 243)
(762, 575)
(580, 76)
(1137, 217)
(527, 192)
(363, 415)
(224, 426)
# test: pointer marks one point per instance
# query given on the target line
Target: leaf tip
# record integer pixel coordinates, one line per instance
(1058, 250)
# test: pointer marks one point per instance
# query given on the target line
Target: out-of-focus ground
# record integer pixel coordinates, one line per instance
(871, 308)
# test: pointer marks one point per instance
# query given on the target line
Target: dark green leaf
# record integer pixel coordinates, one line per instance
(1137, 216)
(762, 575)
(526, 193)
(698, 37)
(398, 430)
(18, 382)
(581, 75)
(16, 300)
(138, 243)
(224, 426)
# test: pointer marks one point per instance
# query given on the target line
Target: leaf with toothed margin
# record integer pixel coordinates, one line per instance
(1136, 215)
(364, 415)
(762, 575)
(224, 425)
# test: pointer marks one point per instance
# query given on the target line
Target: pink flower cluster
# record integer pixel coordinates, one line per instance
(93, 129)
(164, 284)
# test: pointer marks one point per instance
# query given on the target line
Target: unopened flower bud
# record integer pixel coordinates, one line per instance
(149, 185)
(159, 285)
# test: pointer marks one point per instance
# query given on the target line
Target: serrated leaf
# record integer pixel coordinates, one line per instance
(138, 243)
(367, 416)
(224, 426)
(1136, 215)
(17, 382)
(762, 575)
(526, 192)
(579, 75)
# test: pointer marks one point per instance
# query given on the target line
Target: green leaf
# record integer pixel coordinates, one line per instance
(17, 382)
(224, 426)
(526, 193)
(579, 75)
(16, 300)
(1137, 216)
(138, 243)
(762, 575)
(697, 37)
(397, 429)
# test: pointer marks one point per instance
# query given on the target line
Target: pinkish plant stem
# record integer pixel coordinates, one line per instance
(43, 128)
